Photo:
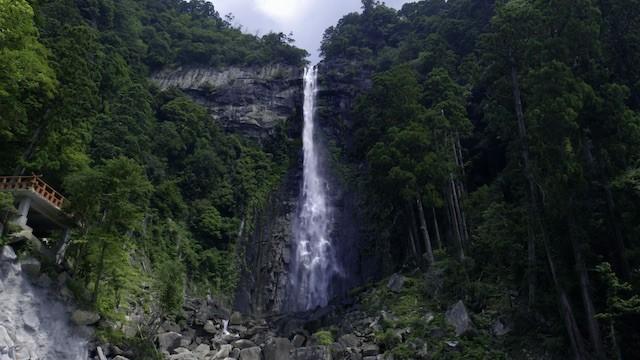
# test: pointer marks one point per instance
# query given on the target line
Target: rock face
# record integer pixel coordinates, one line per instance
(251, 101)
(263, 288)
(458, 317)
(34, 320)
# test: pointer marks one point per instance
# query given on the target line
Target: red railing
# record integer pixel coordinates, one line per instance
(33, 183)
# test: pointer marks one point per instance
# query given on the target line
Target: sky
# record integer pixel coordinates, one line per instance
(307, 19)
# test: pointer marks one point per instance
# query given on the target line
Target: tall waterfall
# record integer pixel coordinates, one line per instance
(33, 323)
(315, 262)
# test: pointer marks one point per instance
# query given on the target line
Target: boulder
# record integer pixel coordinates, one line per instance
(184, 356)
(30, 319)
(202, 350)
(243, 344)
(209, 327)
(277, 349)
(31, 267)
(236, 318)
(252, 353)
(349, 341)
(169, 341)
(120, 357)
(223, 352)
(458, 317)
(500, 328)
(370, 350)
(84, 317)
(7, 254)
(311, 353)
(396, 282)
(299, 340)
(6, 342)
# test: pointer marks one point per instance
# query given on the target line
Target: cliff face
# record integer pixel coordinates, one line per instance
(250, 101)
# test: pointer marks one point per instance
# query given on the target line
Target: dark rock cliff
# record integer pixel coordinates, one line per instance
(251, 101)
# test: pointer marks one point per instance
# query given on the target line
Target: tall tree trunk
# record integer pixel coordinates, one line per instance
(585, 291)
(425, 231)
(435, 224)
(620, 259)
(535, 216)
(531, 212)
(96, 286)
(455, 224)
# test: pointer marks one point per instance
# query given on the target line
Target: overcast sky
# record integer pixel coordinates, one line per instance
(307, 19)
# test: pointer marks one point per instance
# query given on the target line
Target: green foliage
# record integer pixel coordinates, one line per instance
(324, 337)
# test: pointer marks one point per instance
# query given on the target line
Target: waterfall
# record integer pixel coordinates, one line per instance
(33, 323)
(314, 263)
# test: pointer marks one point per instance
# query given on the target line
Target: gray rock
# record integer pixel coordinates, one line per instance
(169, 341)
(210, 327)
(120, 357)
(7, 254)
(299, 340)
(249, 100)
(236, 318)
(311, 353)
(235, 353)
(349, 340)
(277, 349)
(458, 317)
(181, 350)
(370, 350)
(30, 319)
(183, 356)
(202, 350)
(396, 282)
(252, 353)
(223, 352)
(31, 267)
(101, 355)
(6, 342)
(84, 317)
(243, 344)
(500, 328)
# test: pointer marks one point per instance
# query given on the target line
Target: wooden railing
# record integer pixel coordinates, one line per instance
(33, 183)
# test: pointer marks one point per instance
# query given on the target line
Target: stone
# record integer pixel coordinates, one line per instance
(44, 281)
(458, 317)
(235, 353)
(277, 348)
(210, 327)
(223, 352)
(299, 340)
(180, 350)
(169, 341)
(370, 350)
(30, 319)
(252, 353)
(7, 254)
(349, 340)
(120, 357)
(183, 356)
(311, 353)
(6, 342)
(84, 317)
(31, 267)
(236, 318)
(202, 350)
(243, 344)
(396, 282)
(500, 328)
(101, 355)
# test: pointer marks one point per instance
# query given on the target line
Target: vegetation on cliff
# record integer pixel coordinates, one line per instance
(160, 191)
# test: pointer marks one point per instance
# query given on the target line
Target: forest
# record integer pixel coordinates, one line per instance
(493, 145)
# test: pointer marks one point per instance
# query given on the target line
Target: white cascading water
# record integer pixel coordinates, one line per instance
(315, 261)
(33, 324)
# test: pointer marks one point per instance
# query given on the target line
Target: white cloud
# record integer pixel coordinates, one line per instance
(283, 10)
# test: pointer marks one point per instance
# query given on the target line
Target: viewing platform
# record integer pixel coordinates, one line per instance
(40, 209)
